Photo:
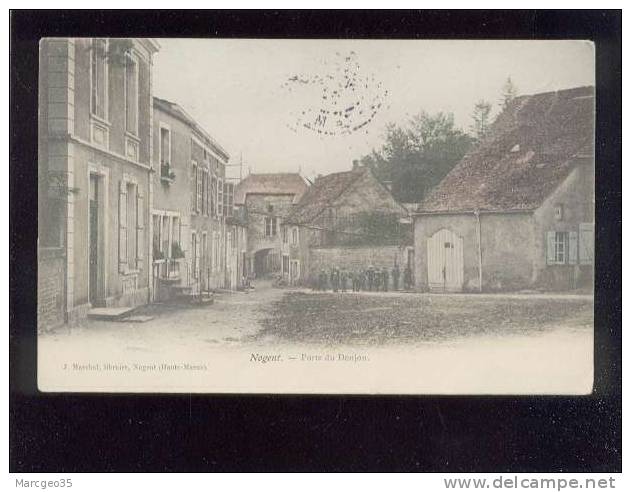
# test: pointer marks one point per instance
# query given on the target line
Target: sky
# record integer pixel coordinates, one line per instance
(313, 106)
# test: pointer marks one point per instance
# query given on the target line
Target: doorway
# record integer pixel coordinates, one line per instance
(95, 228)
(445, 272)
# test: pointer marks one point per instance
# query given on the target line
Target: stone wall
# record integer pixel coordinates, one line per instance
(50, 288)
(507, 248)
(354, 258)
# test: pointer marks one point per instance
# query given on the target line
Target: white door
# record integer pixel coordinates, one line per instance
(445, 262)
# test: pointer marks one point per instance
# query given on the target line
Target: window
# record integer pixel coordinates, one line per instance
(130, 227)
(131, 94)
(284, 234)
(228, 199)
(558, 212)
(165, 152)
(562, 248)
(98, 78)
(270, 226)
(213, 195)
(204, 190)
(200, 188)
(193, 187)
(294, 236)
(207, 192)
(194, 254)
(286, 264)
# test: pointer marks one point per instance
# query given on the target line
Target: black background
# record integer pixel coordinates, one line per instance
(124, 432)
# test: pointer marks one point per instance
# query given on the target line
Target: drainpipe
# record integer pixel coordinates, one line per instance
(479, 234)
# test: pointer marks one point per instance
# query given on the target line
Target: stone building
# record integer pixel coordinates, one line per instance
(518, 210)
(267, 200)
(94, 167)
(346, 220)
(193, 245)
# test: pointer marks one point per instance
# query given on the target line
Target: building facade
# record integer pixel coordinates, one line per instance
(94, 166)
(267, 199)
(345, 220)
(518, 211)
(196, 246)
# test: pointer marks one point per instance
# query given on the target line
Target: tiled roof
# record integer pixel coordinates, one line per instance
(530, 149)
(177, 111)
(271, 184)
(321, 194)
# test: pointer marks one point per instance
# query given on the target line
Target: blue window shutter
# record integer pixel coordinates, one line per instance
(550, 249)
(572, 247)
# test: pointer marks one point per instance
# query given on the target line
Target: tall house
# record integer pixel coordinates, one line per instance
(195, 244)
(94, 163)
(268, 200)
(518, 210)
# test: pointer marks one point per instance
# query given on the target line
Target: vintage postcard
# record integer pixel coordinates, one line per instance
(316, 216)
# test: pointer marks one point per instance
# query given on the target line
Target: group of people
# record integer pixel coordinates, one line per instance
(370, 279)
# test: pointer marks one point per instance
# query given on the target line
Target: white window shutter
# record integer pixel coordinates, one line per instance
(140, 226)
(122, 227)
(586, 243)
(550, 249)
(572, 247)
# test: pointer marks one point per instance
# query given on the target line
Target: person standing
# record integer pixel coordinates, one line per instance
(343, 279)
(323, 280)
(370, 277)
(407, 277)
(396, 273)
(385, 279)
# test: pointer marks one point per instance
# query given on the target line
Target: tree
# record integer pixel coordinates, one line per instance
(481, 119)
(509, 92)
(415, 157)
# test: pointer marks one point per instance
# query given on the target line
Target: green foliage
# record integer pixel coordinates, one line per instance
(416, 156)
(509, 92)
(481, 119)
(369, 228)
(176, 250)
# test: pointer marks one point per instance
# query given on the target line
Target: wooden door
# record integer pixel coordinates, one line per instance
(445, 266)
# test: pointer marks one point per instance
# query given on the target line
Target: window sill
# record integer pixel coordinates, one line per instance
(100, 120)
(132, 136)
(167, 180)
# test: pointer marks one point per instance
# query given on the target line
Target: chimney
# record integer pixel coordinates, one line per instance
(355, 164)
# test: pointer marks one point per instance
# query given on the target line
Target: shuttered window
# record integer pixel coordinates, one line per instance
(140, 228)
(562, 248)
(228, 199)
(213, 195)
(586, 243)
(220, 197)
(198, 203)
(122, 227)
(193, 187)
(131, 227)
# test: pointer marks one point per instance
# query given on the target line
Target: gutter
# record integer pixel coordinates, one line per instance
(475, 211)
(479, 234)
